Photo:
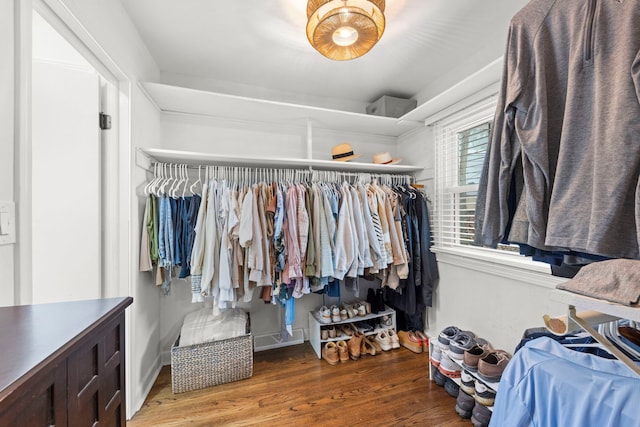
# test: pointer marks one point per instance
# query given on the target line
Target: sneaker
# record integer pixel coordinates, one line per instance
(446, 334)
(461, 342)
(484, 395)
(335, 313)
(436, 355)
(383, 340)
(474, 354)
(448, 367)
(464, 404)
(438, 378)
(324, 314)
(324, 334)
(330, 353)
(386, 321)
(480, 415)
(332, 331)
(451, 388)
(491, 367)
(351, 313)
(467, 382)
(395, 342)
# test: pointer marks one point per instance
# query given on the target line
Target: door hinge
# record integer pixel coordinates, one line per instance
(105, 121)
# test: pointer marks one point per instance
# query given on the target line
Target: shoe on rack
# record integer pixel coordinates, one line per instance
(332, 331)
(324, 314)
(383, 340)
(330, 353)
(464, 404)
(480, 415)
(467, 382)
(438, 378)
(346, 330)
(461, 342)
(335, 313)
(410, 341)
(367, 306)
(361, 310)
(364, 327)
(350, 311)
(343, 350)
(395, 342)
(354, 344)
(491, 367)
(474, 354)
(324, 334)
(343, 314)
(483, 394)
(446, 334)
(371, 299)
(386, 321)
(449, 368)
(451, 388)
(436, 355)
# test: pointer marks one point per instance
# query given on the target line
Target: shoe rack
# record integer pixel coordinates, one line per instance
(493, 385)
(315, 326)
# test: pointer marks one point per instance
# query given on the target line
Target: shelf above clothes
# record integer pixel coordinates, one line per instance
(175, 99)
(198, 158)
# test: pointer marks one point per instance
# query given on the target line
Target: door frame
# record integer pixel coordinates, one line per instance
(116, 157)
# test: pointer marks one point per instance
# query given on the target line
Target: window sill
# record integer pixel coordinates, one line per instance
(510, 266)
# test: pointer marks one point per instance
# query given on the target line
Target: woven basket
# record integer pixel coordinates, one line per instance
(208, 364)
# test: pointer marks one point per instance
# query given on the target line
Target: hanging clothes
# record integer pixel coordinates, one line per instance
(291, 238)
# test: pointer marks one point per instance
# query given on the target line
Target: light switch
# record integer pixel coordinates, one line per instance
(7, 222)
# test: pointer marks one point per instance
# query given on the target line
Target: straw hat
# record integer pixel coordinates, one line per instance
(385, 159)
(343, 153)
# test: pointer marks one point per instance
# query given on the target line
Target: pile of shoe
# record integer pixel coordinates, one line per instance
(475, 364)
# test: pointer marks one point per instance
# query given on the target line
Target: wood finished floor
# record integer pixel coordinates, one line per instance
(292, 387)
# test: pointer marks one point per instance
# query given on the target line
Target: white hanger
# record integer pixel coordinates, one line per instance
(147, 187)
(155, 186)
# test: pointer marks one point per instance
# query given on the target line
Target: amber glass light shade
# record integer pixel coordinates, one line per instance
(344, 29)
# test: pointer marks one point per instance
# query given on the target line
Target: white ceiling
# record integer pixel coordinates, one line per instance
(259, 48)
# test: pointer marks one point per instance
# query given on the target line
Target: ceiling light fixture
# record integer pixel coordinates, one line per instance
(344, 29)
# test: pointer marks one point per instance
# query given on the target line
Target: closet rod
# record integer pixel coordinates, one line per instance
(312, 174)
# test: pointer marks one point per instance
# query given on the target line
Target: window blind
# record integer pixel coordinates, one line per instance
(461, 142)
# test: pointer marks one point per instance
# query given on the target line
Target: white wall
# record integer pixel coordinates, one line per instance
(257, 139)
(7, 84)
(495, 307)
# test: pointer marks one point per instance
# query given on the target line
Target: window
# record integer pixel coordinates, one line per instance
(461, 144)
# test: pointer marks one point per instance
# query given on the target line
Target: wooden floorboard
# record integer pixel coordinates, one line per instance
(292, 387)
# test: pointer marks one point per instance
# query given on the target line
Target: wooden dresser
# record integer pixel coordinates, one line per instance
(63, 364)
